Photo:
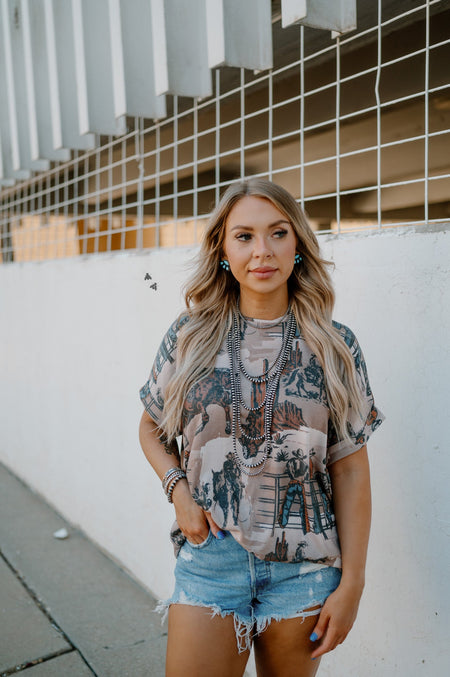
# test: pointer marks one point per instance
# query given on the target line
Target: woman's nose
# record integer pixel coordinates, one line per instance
(261, 248)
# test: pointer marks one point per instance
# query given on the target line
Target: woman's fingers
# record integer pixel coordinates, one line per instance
(197, 530)
(190, 517)
(321, 626)
(216, 530)
(193, 521)
(200, 533)
(320, 630)
(330, 641)
(335, 622)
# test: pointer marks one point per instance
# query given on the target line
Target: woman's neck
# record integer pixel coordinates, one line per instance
(264, 307)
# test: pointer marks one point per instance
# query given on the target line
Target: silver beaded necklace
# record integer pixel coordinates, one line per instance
(270, 377)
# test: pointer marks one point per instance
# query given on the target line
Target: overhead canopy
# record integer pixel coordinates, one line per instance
(71, 70)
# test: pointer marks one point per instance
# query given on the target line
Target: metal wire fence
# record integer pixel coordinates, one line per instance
(356, 127)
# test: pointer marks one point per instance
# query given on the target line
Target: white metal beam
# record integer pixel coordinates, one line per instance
(22, 116)
(35, 39)
(292, 12)
(187, 49)
(116, 58)
(239, 33)
(64, 93)
(99, 78)
(159, 47)
(8, 130)
(138, 61)
(334, 15)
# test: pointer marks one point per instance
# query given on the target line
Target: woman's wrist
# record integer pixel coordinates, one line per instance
(172, 477)
(181, 491)
(353, 582)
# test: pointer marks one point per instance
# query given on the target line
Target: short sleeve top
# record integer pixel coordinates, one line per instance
(284, 513)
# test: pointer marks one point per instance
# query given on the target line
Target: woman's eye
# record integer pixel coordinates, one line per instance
(244, 237)
(280, 233)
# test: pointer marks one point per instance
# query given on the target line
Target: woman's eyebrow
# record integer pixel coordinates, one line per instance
(270, 225)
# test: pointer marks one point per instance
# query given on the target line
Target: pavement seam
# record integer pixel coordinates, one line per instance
(39, 603)
(36, 661)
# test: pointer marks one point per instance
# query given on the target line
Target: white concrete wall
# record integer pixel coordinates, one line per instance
(77, 341)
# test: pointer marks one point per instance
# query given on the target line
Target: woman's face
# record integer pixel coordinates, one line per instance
(260, 246)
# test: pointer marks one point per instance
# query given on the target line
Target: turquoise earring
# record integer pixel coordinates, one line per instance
(225, 265)
(297, 258)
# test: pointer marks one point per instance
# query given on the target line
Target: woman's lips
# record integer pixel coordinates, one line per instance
(263, 272)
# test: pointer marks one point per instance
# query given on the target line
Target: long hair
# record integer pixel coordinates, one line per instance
(212, 293)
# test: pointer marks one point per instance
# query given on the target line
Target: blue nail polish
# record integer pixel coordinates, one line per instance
(220, 535)
(314, 637)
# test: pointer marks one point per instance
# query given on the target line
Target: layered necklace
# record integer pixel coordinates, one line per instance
(270, 378)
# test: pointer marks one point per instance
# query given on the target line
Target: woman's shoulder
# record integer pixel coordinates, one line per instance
(169, 342)
(178, 323)
(347, 335)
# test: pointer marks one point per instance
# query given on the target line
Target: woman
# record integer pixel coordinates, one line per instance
(274, 408)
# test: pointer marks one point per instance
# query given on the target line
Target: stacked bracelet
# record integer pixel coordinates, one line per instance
(169, 476)
(172, 487)
(172, 476)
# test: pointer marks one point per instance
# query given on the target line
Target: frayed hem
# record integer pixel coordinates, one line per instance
(307, 613)
(242, 629)
(245, 630)
(162, 608)
(263, 623)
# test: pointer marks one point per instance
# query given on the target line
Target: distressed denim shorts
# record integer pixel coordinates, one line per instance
(222, 576)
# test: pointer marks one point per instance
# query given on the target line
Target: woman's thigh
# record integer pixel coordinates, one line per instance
(200, 644)
(284, 649)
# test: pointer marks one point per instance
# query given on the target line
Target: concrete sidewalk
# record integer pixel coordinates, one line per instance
(66, 610)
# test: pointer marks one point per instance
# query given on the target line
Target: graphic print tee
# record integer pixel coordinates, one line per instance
(285, 513)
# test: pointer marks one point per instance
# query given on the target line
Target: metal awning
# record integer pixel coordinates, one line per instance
(73, 70)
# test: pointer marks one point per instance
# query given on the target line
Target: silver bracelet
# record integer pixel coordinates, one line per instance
(172, 476)
(176, 479)
(169, 476)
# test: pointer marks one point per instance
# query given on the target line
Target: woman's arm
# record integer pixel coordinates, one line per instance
(158, 452)
(192, 520)
(350, 479)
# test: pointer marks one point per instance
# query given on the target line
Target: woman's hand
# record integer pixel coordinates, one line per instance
(194, 522)
(336, 619)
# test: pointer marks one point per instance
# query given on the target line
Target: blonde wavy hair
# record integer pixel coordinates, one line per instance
(212, 293)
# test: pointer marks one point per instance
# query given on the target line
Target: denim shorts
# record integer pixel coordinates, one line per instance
(224, 577)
